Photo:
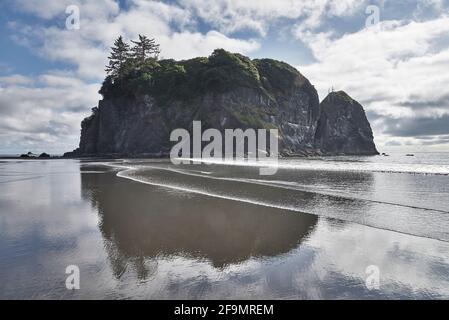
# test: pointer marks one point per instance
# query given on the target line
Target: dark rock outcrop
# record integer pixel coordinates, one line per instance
(44, 155)
(28, 155)
(224, 91)
(31, 155)
(343, 127)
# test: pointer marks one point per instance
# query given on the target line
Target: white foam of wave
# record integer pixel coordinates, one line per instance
(333, 165)
(289, 185)
(126, 170)
(126, 173)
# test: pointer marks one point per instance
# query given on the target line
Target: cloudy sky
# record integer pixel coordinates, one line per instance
(398, 68)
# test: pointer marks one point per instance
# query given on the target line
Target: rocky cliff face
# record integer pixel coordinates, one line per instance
(343, 127)
(224, 91)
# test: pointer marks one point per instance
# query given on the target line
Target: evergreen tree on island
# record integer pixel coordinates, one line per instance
(145, 48)
(119, 56)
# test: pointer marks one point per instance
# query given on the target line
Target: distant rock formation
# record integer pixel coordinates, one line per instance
(28, 155)
(31, 155)
(343, 127)
(224, 91)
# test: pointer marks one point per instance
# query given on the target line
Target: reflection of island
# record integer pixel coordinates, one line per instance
(140, 222)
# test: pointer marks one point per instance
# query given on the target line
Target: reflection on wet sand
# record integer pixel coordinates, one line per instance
(357, 197)
(136, 241)
(139, 221)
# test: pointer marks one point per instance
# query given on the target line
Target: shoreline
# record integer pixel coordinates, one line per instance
(258, 241)
(167, 156)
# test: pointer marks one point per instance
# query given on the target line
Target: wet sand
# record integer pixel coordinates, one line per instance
(189, 237)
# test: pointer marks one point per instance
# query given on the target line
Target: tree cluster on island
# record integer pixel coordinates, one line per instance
(123, 57)
(136, 69)
(133, 68)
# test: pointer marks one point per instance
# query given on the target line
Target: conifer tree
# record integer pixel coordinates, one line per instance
(120, 53)
(145, 48)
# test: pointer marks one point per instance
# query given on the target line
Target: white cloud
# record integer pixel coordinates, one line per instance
(386, 67)
(236, 15)
(87, 48)
(51, 9)
(43, 111)
(189, 45)
(15, 79)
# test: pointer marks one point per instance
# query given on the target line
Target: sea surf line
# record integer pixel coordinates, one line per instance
(127, 169)
(275, 185)
(313, 165)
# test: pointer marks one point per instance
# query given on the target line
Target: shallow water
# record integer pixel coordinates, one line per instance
(148, 229)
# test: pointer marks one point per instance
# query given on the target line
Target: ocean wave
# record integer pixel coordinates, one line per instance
(290, 185)
(132, 173)
(333, 164)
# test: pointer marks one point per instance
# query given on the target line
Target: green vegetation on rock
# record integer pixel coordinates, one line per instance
(167, 80)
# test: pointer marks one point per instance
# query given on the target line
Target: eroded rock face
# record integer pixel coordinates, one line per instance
(276, 96)
(343, 127)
